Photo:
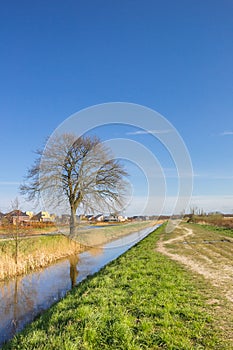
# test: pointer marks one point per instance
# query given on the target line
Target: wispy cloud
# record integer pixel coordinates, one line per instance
(225, 133)
(145, 132)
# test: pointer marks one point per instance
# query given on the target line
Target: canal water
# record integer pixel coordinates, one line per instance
(23, 298)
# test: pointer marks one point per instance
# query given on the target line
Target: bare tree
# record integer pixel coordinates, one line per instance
(73, 171)
(13, 224)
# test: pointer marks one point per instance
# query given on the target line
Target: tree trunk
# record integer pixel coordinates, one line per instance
(73, 221)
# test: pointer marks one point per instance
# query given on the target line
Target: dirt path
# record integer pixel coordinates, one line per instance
(213, 261)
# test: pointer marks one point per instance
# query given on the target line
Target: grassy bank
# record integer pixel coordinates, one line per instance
(99, 236)
(143, 300)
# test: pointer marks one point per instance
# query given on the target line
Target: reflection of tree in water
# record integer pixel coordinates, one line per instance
(73, 259)
(17, 299)
(95, 251)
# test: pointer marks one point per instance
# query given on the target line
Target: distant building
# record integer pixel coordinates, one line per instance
(43, 216)
(110, 218)
(99, 218)
(140, 218)
(121, 218)
(65, 219)
(17, 216)
(30, 214)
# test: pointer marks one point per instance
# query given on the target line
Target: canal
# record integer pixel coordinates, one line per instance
(23, 298)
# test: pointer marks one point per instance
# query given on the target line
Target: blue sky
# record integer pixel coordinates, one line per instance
(172, 56)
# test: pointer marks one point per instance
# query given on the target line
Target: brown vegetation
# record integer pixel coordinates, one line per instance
(213, 219)
(34, 253)
(28, 228)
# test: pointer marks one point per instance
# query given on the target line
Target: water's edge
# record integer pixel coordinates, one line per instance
(25, 297)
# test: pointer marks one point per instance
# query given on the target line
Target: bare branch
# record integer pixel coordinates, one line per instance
(74, 171)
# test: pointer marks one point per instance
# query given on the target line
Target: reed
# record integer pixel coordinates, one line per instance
(34, 253)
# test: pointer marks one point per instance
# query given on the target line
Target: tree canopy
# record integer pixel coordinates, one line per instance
(73, 171)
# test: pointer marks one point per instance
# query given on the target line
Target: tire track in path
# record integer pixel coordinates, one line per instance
(218, 275)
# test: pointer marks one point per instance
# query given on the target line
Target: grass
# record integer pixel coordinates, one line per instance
(207, 246)
(99, 236)
(220, 230)
(206, 251)
(142, 300)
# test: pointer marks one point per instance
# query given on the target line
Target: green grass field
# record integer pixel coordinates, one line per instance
(142, 300)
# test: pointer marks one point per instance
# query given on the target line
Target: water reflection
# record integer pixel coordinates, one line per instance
(25, 297)
(73, 259)
(21, 296)
(95, 251)
(17, 299)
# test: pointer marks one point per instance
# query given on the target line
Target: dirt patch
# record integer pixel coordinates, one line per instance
(213, 261)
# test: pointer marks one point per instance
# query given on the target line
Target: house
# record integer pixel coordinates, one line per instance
(65, 219)
(17, 216)
(140, 218)
(110, 218)
(30, 214)
(43, 216)
(89, 217)
(121, 218)
(99, 217)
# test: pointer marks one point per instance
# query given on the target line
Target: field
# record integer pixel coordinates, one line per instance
(143, 300)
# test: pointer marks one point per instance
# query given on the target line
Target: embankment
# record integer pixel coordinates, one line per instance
(142, 300)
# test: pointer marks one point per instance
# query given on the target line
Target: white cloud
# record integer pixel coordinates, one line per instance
(225, 133)
(145, 132)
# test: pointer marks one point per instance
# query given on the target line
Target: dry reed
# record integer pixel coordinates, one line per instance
(34, 253)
